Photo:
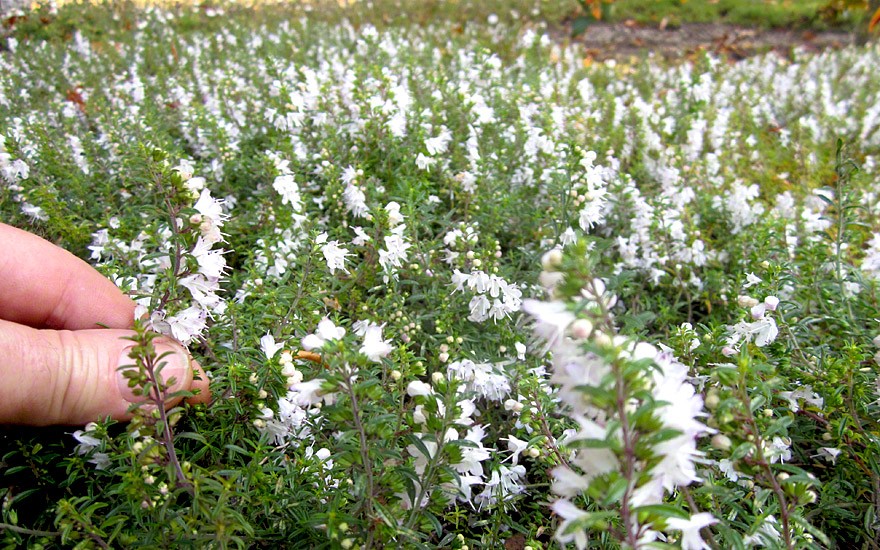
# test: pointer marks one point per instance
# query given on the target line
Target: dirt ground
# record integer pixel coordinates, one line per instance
(623, 40)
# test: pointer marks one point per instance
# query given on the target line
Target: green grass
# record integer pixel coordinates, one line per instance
(802, 14)
(806, 14)
(752, 13)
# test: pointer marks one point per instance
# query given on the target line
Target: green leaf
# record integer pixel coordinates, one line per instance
(580, 25)
(615, 492)
(741, 450)
(662, 511)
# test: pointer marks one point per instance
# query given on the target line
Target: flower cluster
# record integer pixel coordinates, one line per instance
(637, 415)
(361, 199)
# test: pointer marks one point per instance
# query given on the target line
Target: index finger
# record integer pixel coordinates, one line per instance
(45, 286)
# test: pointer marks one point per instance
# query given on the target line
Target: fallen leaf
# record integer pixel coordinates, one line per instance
(516, 542)
(874, 20)
(309, 356)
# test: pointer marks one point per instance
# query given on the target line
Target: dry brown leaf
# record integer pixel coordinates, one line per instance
(874, 20)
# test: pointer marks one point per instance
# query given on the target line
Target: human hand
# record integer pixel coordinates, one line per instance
(57, 366)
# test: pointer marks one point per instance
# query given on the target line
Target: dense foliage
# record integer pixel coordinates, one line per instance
(454, 286)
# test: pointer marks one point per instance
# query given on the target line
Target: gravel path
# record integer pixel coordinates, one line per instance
(623, 40)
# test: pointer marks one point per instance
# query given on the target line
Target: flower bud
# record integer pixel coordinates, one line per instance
(395, 375)
(721, 442)
(712, 401)
(549, 279)
(746, 301)
(602, 339)
(551, 259)
(417, 387)
(581, 329)
(437, 377)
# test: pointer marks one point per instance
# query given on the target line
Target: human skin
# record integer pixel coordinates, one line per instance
(57, 364)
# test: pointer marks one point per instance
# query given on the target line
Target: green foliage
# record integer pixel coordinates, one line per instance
(336, 445)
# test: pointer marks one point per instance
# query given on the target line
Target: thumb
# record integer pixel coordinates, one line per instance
(73, 377)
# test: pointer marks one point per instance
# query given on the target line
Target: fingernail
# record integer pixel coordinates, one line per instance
(175, 364)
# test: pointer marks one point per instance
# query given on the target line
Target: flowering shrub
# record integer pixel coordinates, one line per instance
(454, 287)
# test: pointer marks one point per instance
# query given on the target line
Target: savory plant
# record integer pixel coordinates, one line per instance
(454, 286)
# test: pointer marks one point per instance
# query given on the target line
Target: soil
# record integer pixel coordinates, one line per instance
(628, 39)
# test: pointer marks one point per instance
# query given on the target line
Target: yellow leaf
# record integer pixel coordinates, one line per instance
(874, 20)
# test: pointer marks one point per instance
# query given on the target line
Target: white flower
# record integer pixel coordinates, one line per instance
(766, 534)
(690, 529)
(374, 347)
(568, 483)
(395, 251)
(185, 169)
(567, 532)
(394, 215)
(361, 237)
(765, 331)
(204, 292)
(306, 394)
(334, 254)
(289, 191)
(211, 262)
(417, 387)
(355, 200)
(515, 446)
(829, 453)
(326, 331)
(186, 325)
(424, 163)
(804, 392)
(551, 319)
(503, 484)
(86, 441)
(213, 217)
(751, 280)
(778, 450)
(726, 467)
(268, 345)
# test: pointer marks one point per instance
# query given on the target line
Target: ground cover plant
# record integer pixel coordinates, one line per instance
(455, 286)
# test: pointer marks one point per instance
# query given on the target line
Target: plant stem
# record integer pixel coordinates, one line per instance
(159, 395)
(631, 528)
(365, 456)
(765, 466)
(25, 531)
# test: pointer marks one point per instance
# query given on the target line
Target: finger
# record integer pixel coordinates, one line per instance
(73, 377)
(42, 285)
